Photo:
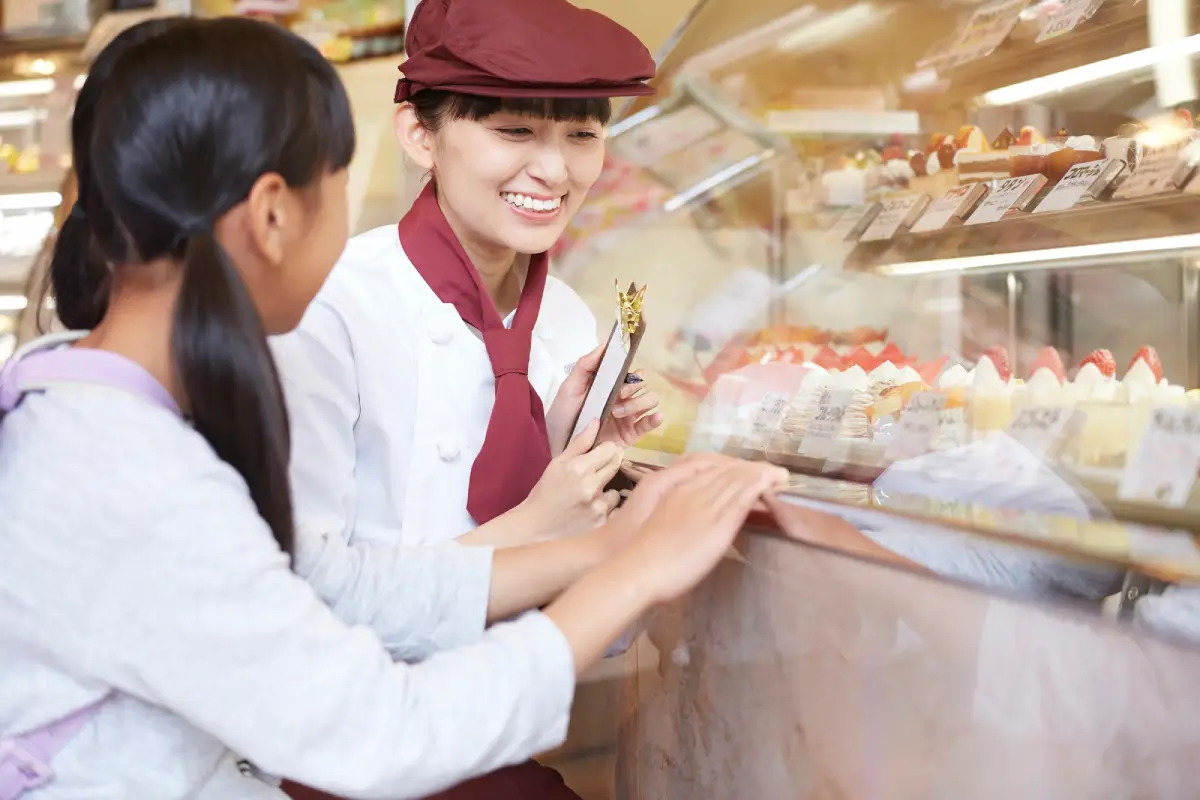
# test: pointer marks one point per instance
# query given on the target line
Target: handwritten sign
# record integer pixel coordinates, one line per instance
(895, 214)
(1082, 180)
(1067, 18)
(853, 222)
(917, 426)
(954, 203)
(1160, 169)
(1009, 194)
(767, 420)
(987, 29)
(1163, 467)
(826, 423)
(1042, 429)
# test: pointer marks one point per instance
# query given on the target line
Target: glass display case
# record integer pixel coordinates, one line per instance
(940, 260)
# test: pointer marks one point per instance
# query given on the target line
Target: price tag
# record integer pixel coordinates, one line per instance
(945, 208)
(1005, 195)
(1075, 184)
(1066, 18)
(987, 29)
(918, 425)
(1158, 171)
(767, 420)
(1163, 468)
(1041, 429)
(895, 213)
(952, 429)
(852, 221)
(826, 423)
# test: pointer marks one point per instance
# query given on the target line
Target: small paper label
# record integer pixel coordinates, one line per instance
(826, 423)
(1066, 18)
(988, 27)
(1041, 429)
(914, 433)
(767, 420)
(1164, 465)
(952, 428)
(845, 225)
(892, 217)
(1156, 172)
(1004, 195)
(942, 210)
(1073, 186)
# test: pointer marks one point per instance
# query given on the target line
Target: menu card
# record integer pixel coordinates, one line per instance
(1082, 183)
(953, 205)
(897, 212)
(1163, 467)
(1006, 195)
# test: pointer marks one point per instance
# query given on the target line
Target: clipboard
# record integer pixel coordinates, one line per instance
(619, 350)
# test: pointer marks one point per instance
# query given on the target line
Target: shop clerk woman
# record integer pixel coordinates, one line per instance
(440, 368)
(417, 381)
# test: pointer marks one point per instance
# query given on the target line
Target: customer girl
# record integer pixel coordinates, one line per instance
(150, 625)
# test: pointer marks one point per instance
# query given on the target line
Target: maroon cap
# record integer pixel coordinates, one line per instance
(521, 48)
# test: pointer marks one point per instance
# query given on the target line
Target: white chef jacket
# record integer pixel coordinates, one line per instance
(390, 394)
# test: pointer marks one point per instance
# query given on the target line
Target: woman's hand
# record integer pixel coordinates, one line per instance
(633, 415)
(570, 496)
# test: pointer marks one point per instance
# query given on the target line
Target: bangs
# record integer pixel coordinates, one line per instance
(451, 105)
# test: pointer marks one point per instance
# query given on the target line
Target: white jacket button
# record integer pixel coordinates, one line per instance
(439, 331)
(448, 451)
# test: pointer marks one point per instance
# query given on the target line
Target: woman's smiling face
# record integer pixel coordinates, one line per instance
(510, 180)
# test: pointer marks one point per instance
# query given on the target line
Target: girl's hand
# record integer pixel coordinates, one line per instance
(695, 522)
(570, 497)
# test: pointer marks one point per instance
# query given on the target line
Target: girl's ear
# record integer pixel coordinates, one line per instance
(413, 137)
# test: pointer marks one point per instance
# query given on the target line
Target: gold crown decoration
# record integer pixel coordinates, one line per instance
(629, 307)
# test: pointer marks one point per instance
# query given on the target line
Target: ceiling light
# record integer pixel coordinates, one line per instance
(31, 201)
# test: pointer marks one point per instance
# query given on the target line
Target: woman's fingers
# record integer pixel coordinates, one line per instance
(635, 407)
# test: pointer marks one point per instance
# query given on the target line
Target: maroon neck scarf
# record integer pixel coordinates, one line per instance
(516, 449)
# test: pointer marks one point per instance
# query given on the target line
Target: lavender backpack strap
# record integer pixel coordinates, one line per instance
(71, 365)
(25, 759)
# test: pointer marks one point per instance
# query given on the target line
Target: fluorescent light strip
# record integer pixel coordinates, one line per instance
(30, 201)
(1090, 73)
(13, 302)
(1016, 261)
(30, 88)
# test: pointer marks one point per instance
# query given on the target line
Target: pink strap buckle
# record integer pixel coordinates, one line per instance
(34, 772)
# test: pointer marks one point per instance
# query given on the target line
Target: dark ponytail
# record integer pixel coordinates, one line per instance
(78, 276)
(226, 370)
(189, 120)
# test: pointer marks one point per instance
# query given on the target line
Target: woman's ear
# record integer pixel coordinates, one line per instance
(416, 140)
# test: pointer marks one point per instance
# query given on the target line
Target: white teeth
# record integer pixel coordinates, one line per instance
(531, 203)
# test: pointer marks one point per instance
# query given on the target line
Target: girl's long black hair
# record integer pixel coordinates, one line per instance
(175, 135)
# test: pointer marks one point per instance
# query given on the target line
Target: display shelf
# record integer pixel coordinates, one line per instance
(1144, 228)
